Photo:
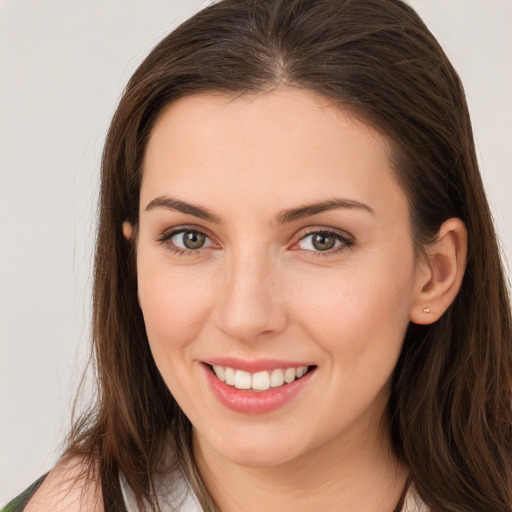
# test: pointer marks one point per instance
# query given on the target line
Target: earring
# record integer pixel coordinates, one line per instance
(426, 310)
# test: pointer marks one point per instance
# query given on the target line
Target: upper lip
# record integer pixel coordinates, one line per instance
(254, 365)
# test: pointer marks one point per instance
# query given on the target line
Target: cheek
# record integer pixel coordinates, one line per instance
(174, 305)
(358, 311)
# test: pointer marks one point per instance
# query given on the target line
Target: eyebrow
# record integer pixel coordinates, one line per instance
(172, 203)
(283, 217)
(293, 214)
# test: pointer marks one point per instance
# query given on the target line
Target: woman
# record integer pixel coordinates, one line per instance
(298, 299)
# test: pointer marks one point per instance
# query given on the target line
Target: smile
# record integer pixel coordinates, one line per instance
(260, 387)
(258, 381)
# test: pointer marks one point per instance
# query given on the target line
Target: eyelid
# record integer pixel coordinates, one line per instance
(174, 230)
(168, 234)
(347, 240)
(309, 230)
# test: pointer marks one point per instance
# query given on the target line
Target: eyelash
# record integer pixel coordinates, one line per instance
(166, 239)
(346, 241)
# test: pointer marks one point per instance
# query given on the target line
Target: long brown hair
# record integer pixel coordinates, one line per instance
(450, 408)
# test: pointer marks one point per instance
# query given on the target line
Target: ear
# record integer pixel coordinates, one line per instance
(440, 275)
(127, 230)
(128, 234)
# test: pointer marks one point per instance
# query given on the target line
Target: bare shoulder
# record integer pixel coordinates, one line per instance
(67, 488)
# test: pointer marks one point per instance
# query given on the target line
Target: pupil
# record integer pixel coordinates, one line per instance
(193, 240)
(323, 242)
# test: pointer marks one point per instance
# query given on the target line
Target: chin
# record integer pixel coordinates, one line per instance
(256, 456)
(257, 447)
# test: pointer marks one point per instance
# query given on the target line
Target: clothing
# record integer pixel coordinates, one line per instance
(183, 499)
(19, 503)
(413, 503)
(180, 499)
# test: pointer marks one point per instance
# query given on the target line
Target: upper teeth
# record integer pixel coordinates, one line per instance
(259, 381)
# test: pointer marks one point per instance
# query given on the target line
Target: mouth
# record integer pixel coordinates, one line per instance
(259, 381)
(256, 387)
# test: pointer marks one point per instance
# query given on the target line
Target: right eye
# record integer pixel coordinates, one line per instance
(186, 241)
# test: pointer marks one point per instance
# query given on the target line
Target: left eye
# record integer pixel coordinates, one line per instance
(321, 241)
(190, 240)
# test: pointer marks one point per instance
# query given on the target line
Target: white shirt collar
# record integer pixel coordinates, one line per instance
(176, 494)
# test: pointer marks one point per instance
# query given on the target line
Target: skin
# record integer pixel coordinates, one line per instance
(259, 288)
(257, 291)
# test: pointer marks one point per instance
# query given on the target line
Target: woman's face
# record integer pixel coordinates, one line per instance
(273, 241)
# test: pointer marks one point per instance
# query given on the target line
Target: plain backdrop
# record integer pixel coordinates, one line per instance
(63, 65)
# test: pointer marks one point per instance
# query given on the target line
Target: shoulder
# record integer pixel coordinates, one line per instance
(69, 487)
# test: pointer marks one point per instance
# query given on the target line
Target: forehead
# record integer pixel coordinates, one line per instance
(287, 145)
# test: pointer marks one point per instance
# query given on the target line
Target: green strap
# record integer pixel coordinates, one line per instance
(19, 503)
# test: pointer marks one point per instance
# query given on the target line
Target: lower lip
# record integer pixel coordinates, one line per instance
(255, 402)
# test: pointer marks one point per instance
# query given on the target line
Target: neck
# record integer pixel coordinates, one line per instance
(356, 475)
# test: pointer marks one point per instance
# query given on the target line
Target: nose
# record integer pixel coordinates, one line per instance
(250, 305)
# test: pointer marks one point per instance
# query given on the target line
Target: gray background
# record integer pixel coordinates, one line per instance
(63, 65)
